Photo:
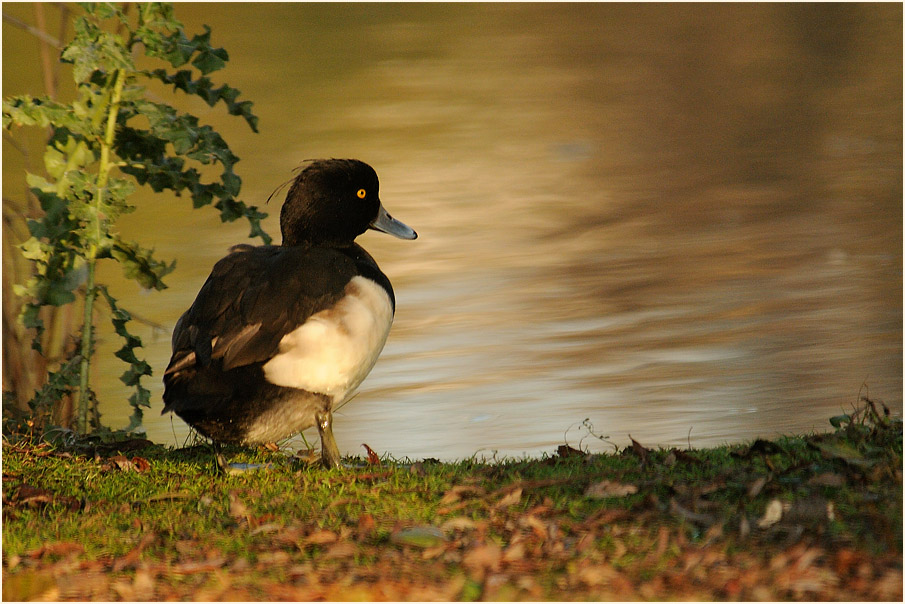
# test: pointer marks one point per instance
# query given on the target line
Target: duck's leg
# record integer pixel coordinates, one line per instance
(221, 465)
(329, 451)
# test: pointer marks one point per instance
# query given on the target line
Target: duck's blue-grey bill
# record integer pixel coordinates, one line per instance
(389, 225)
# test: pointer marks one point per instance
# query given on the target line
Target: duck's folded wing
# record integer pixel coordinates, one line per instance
(252, 298)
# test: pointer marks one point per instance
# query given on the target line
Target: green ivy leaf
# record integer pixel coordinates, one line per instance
(837, 421)
(59, 384)
(57, 222)
(138, 368)
(39, 183)
(32, 248)
(176, 50)
(56, 293)
(231, 183)
(42, 112)
(133, 375)
(31, 319)
(103, 10)
(211, 60)
(140, 265)
(203, 87)
(257, 231)
(94, 49)
(24, 111)
(64, 153)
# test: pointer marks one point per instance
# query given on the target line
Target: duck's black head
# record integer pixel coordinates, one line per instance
(333, 201)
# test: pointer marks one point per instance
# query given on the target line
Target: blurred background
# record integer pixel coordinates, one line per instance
(679, 222)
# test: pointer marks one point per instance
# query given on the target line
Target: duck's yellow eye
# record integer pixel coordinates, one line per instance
(361, 193)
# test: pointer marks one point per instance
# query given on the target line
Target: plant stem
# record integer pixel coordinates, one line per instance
(91, 253)
(87, 344)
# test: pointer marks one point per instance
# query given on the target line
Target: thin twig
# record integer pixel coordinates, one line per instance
(155, 327)
(50, 84)
(16, 145)
(33, 31)
(126, 7)
(64, 21)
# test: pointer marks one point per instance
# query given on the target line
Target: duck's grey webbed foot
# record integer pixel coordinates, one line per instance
(329, 451)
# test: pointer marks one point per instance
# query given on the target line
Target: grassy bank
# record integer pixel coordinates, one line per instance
(811, 517)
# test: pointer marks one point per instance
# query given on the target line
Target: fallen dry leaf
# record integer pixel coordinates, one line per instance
(419, 536)
(366, 525)
(567, 451)
(342, 549)
(83, 586)
(339, 502)
(125, 464)
(449, 509)
(760, 445)
(170, 496)
(270, 527)
(639, 450)
(511, 499)
(60, 548)
(834, 448)
(460, 492)
(458, 523)
(482, 557)
(142, 586)
(772, 514)
(609, 488)
(373, 458)
(827, 479)
(697, 518)
(593, 575)
(536, 525)
(130, 559)
(605, 517)
(274, 558)
(810, 509)
(541, 509)
(684, 457)
(845, 560)
(756, 486)
(662, 542)
(320, 537)
(202, 566)
(31, 496)
(237, 509)
(432, 552)
(125, 445)
(140, 464)
(293, 534)
(514, 552)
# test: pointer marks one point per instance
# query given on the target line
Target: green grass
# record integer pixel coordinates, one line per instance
(164, 521)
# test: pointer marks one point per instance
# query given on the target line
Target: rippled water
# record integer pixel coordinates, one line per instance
(681, 222)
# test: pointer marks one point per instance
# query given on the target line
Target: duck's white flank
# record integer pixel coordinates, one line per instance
(335, 349)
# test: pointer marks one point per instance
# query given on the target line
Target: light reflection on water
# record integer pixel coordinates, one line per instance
(683, 223)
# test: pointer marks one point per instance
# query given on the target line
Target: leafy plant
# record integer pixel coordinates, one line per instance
(110, 137)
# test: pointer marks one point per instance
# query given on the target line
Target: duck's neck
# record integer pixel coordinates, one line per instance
(295, 238)
(303, 229)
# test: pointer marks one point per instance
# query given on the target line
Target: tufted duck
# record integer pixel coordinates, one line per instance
(280, 336)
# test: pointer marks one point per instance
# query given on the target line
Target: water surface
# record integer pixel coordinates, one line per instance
(681, 222)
